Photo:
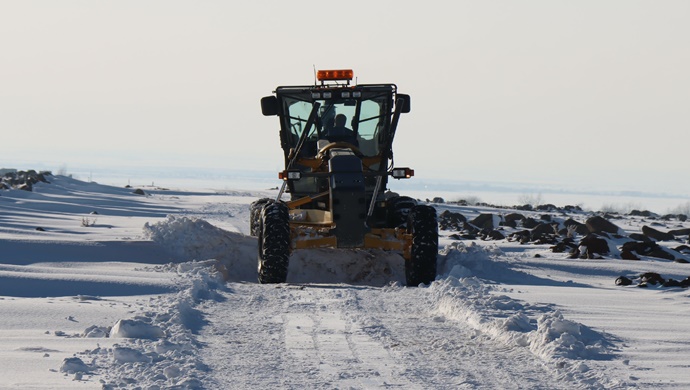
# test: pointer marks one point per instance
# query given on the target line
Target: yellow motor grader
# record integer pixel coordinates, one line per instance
(337, 141)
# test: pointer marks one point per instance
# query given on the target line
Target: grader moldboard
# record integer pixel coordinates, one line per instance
(337, 140)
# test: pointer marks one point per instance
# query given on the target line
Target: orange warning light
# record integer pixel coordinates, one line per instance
(338, 74)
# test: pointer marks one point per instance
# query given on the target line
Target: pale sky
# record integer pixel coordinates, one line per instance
(588, 93)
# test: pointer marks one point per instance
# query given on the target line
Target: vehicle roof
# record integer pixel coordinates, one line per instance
(335, 87)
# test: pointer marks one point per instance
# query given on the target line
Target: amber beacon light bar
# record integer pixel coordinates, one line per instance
(337, 74)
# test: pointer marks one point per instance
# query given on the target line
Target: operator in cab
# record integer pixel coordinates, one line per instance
(340, 133)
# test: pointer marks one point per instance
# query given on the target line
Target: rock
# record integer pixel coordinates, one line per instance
(651, 278)
(512, 219)
(566, 245)
(672, 283)
(493, 235)
(661, 254)
(594, 245)
(541, 230)
(599, 224)
(623, 281)
(641, 248)
(451, 221)
(580, 229)
(680, 232)
(640, 237)
(511, 224)
(530, 223)
(139, 191)
(684, 249)
(546, 207)
(628, 255)
(640, 213)
(656, 234)
(484, 221)
(522, 236)
(470, 229)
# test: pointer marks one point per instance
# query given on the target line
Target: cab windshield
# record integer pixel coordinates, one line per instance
(364, 120)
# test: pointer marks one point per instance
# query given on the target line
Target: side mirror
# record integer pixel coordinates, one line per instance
(269, 106)
(405, 102)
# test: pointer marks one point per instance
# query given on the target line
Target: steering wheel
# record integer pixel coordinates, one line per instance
(340, 144)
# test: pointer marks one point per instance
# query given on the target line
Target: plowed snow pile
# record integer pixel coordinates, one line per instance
(193, 238)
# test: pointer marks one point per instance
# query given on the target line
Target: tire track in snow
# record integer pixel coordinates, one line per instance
(340, 352)
(353, 337)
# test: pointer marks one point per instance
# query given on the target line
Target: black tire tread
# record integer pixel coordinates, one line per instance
(255, 215)
(421, 267)
(274, 243)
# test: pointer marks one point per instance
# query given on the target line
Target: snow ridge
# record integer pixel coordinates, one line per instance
(562, 344)
(189, 238)
(159, 347)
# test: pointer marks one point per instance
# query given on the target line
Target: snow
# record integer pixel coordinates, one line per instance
(159, 291)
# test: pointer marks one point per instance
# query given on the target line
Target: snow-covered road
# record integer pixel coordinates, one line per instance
(356, 337)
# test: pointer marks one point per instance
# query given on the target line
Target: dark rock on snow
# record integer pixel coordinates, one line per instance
(598, 224)
(580, 228)
(640, 237)
(512, 219)
(680, 232)
(641, 213)
(656, 234)
(451, 221)
(530, 223)
(542, 230)
(484, 221)
(594, 245)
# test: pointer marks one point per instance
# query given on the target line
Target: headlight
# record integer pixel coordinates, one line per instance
(402, 173)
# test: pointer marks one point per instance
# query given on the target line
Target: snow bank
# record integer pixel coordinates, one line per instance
(192, 238)
(195, 239)
(462, 295)
(158, 347)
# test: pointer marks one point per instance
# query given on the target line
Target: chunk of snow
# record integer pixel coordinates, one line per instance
(136, 330)
(96, 331)
(74, 365)
(129, 355)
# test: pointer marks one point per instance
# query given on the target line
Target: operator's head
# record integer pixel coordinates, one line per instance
(340, 120)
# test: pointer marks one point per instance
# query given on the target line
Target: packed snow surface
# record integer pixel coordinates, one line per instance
(104, 288)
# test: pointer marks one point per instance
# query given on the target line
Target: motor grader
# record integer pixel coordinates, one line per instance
(337, 140)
